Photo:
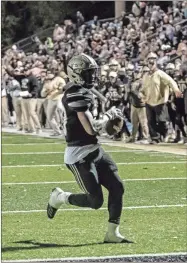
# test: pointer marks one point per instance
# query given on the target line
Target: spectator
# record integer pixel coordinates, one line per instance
(138, 111)
(58, 33)
(14, 88)
(4, 105)
(29, 87)
(155, 92)
(79, 20)
(53, 91)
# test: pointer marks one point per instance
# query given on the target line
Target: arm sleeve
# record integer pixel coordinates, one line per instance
(79, 99)
(167, 80)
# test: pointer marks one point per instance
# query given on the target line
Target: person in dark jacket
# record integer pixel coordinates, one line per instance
(29, 94)
(138, 111)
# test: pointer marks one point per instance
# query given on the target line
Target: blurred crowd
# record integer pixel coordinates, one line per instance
(33, 82)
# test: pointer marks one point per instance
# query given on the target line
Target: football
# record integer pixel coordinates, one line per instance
(114, 126)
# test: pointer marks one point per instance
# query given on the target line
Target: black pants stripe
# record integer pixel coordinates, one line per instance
(78, 177)
(96, 170)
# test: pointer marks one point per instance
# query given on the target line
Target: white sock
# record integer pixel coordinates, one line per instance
(63, 197)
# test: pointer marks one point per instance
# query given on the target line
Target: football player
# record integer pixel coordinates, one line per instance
(91, 166)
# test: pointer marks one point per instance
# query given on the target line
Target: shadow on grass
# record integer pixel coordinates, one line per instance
(38, 245)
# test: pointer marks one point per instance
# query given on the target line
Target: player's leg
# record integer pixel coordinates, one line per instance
(87, 178)
(109, 178)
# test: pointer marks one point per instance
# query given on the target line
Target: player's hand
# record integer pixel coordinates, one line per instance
(178, 94)
(114, 113)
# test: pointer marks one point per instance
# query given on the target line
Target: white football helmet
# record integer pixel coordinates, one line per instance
(82, 69)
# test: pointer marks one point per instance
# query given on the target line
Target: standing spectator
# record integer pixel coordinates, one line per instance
(58, 33)
(15, 89)
(138, 111)
(170, 70)
(181, 121)
(30, 87)
(4, 104)
(40, 108)
(155, 92)
(53, 92)
(79, 20)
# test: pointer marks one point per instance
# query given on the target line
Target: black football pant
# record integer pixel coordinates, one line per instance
(180, 115)
(95, 170)
(172, 115)
(157, 117)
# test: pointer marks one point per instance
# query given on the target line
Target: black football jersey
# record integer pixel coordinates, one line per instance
(76, 99)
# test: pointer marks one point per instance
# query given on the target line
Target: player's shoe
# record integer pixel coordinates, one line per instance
(111, 238)
(113, 235)
(57, 198)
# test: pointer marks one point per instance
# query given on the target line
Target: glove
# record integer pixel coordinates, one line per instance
(114, 113)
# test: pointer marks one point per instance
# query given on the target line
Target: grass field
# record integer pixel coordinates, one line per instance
(154, 213)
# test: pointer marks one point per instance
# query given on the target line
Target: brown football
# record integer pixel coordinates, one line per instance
(114, 126)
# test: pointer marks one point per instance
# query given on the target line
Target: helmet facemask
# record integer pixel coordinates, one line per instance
(89, 77)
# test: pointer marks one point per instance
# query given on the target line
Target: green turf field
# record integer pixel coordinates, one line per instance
(154, 214)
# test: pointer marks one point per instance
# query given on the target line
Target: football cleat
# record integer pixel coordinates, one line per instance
(113, 235)
(57, 198)
(111, 238)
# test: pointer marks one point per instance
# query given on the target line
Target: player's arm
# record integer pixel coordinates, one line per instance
(79, 100)
(96, 127)
(86, 120)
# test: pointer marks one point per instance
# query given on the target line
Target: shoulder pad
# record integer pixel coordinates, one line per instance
(78, 98)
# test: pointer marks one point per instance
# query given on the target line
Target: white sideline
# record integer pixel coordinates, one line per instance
(96, 258)
(125, 180)
(54, 165)
(89, 209)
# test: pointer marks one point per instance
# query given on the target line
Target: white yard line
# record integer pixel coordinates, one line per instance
(104, 141)
(55, 165)
(80, 259)
(71, 182)
(169, 148)
(89, 209)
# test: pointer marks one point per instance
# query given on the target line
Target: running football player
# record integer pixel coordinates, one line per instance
(91, 166)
